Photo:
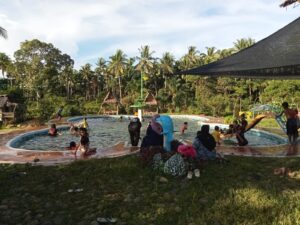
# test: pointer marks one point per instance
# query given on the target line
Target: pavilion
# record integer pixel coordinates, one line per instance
(275, 57)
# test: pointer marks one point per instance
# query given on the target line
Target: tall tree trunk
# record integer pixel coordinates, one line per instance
(120, 87)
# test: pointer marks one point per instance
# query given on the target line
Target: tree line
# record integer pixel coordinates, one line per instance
(45, 78)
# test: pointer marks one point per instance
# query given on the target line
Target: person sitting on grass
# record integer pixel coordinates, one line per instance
(205, 144)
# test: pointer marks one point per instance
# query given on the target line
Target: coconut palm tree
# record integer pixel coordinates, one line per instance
(167, 64)
(117, 67)
(101, 72)
(86, 75)
(210, 55)
(146, 62)
(243, 43)
(3, 32)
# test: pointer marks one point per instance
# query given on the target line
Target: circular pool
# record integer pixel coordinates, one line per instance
(105, 131)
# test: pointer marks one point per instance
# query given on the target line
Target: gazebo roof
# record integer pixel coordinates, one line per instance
(110, 99)
(276, 57)
(150, 100)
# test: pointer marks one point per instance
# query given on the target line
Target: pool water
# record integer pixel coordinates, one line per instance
(107, 131)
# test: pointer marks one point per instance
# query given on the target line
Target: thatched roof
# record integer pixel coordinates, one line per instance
(288, 2)
(150, 100)
(275, 57)
(110, 99)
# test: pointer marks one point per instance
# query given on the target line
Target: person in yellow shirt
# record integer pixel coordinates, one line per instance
(83, 124)
(217, 135)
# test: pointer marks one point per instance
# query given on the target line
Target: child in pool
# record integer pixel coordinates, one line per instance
(72, 146)
(84, 145)
(53, 131)
(183, 127)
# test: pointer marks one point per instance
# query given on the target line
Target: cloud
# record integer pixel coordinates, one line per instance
(87, 30)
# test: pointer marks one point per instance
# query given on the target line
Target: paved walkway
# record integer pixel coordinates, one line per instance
(54, 157)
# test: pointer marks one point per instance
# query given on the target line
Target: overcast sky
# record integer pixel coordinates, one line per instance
(89, 29)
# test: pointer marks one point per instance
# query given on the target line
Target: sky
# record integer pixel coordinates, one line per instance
(89, 29)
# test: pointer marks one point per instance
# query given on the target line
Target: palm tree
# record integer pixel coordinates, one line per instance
(101, 72)
(225, 52)
(243, 43)
(145, 65)
(210, 55)
(192, 57)
(117, 67)
(3, 33)
(86, 74)
(167, 64)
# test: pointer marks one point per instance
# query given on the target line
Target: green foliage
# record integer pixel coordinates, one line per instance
(43, 110)
(91, 107)
(16, 95)
(45, 74)
(229, 119)
(72, 110)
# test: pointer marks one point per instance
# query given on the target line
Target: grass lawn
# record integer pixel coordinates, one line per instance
(244, 191)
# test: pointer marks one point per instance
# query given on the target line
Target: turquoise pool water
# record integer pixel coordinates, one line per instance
(107, 131)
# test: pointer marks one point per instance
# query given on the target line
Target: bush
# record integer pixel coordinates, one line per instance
(71, 110)
(229, 119)
(91, 107)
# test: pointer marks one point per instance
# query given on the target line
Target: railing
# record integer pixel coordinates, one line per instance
(8, 115)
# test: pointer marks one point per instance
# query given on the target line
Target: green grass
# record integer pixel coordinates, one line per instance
(244, 191)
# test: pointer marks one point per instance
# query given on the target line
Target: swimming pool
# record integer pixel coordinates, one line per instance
(107, 131)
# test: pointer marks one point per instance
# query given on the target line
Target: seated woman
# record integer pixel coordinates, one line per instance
(154, 135)
(205, 144)
(53, 131)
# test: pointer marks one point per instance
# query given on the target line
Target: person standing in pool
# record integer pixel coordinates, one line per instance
(134, 128)
(291, 123)
(183, 127)
(53, 130)
(240, 129)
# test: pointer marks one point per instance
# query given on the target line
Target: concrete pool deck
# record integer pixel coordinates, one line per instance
(8, 155)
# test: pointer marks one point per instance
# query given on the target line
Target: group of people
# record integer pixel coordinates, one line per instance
(204, 143)
(79, 129)
(202, 148)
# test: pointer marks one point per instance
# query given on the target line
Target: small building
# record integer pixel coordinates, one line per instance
(151, 107)
(110, 105)
(7, 109)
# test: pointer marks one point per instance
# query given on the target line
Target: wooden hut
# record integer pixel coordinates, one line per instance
(7, 109)
(151, 107)
(110, 105)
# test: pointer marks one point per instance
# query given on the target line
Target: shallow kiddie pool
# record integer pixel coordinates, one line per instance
(105, 131)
